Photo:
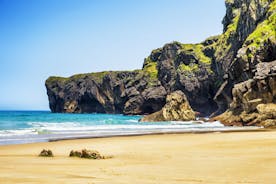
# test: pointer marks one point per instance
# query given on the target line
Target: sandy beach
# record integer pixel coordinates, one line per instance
(237, 157)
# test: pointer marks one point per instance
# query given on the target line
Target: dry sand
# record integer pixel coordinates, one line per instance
(239, 157)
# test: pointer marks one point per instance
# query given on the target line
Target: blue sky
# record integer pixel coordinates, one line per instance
(41, 38)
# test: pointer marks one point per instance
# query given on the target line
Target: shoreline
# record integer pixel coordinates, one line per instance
(239, 157)
(243, 129)
(37, 138)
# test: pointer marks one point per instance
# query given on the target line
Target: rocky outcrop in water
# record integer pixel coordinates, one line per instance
(207, 73)
(177, 108)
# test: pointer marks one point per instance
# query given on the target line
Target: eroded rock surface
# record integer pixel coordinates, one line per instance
(249, 38)
(254, 100)
(107, 92)
(177, 108)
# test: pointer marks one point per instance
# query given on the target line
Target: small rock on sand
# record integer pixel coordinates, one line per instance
(46, 153)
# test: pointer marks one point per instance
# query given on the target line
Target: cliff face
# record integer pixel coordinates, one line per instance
(254, 99)
(248, 39)
(206, 72)
(188, 67)
(249, 81)
(135, 92)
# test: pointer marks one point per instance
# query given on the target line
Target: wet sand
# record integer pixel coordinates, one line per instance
(236, 157)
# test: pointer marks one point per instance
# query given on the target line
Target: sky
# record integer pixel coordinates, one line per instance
(42, 38)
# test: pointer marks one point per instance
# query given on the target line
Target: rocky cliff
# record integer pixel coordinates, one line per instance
(249, 77)
(206, 72)
(254, 99)
(248, 39)
(134, 92)
(176, 66)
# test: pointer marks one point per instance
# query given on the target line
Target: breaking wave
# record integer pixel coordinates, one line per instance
(37, 127)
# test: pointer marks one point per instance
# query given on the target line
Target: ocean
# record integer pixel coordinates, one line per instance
(17, 127)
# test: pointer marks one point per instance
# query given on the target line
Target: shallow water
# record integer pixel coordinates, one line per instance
(39, 126)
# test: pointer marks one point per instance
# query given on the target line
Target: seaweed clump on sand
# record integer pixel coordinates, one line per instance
(46, 153)
(89, 154)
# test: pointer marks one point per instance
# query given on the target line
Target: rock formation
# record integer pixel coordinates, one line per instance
(177, 108)
(248, 39)
(206, 72)
(174, 67)
(135, 92)
(254, 100)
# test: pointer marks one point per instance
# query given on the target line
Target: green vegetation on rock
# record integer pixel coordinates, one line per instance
(188, 68)
(265, 31)
(150, 68)
(96, 76)
(229, 1)
(224, 44)
(197, 51)
(211, 40)
(54, 79)
(264, 1)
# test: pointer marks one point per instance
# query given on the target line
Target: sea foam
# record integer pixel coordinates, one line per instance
(24, 127)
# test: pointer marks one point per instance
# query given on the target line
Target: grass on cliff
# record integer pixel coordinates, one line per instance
(212, 39)
(223, 44)
(197, 51)
(188, 68)
(150, 68)
(53, 79)
(265, 31)
(264, 1)
(96, 76)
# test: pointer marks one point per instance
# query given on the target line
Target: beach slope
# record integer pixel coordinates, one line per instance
(237, 157)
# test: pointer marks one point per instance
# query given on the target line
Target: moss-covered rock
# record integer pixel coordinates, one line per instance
(260, 46)
(150, 68)
(198, 51)
(188, 68)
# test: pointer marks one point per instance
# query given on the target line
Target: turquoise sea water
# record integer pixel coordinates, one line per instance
(39, 126)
